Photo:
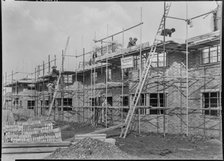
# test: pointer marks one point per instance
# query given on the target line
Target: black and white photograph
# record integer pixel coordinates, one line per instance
(127, 80)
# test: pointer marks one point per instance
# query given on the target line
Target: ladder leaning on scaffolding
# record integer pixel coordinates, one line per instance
(55, 93)
(144, 75)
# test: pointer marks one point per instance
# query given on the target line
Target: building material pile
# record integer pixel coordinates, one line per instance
(89, 148)
(31, 131)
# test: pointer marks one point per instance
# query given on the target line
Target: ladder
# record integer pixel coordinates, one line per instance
(55, 92)
(144, 75)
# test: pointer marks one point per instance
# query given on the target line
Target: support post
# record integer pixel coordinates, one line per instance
(83, 82)
(43, 69)
(35, 97)
(95, 119)
(54, 60)
(12, 76)
(106, 79)
(49, 64)
(5, 105)
(220, 84)
(187, 66)
(140, 75)
(122, 75)
(62, 85)
(164, 50)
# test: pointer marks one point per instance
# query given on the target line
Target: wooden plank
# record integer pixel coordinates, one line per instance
(90, 135)
(29, 150)
(107, 129)
(29, 145)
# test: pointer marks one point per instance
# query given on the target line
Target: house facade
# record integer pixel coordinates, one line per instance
(163, 105)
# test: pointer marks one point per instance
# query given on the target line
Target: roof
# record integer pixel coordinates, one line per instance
(89, 67)
(208, 39)
(21, 81)
(109, 85)
(123, 51)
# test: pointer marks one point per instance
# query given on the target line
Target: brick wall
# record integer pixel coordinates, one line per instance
(175, 121)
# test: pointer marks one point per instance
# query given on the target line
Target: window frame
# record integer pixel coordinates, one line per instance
(67, 102)
(31, 104)
(144, 103)
(210, 110)
(210, 55)
(158, 98)
(158, 60)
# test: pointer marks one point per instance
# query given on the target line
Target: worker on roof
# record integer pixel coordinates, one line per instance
(130, 43)
(168, 32)
(94, 57)
(54, 74)
(134, 41)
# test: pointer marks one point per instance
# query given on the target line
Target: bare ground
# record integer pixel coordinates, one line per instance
(155, 146)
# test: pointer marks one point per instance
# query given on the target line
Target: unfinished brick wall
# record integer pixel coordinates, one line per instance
(176, 120)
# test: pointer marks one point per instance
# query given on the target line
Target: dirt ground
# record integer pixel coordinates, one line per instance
(154, 146)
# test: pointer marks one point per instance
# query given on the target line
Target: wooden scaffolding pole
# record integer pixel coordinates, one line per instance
(122, 77)
(91, 85)
(187, 67)
(106, 79)
(140, 30)
(12, 95)
(5, 104)
(83, 78)
(54, 60)
(77, 91)
(220, 83)
(95, 119)
(49, 64)
(35, 78)
(164, 50)
(62, 85)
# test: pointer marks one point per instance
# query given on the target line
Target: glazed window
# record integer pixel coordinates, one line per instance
(211, 101)
(30, 104)
(157, 100)
(159, 60)
(67, 102)
(67, 78)
(211, 54)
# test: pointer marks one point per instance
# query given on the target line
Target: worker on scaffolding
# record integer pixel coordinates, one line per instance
(104, 105)
(166, 32)
(92, 60)
(52, 82)
(130, 43)
(134, 41)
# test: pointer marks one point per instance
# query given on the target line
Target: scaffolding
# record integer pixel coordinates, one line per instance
(184, 84)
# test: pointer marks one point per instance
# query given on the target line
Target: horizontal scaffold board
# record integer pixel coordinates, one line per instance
(24, 148)
(29, 145)
(101, 137)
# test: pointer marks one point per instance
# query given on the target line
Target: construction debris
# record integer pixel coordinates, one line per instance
(89, 148)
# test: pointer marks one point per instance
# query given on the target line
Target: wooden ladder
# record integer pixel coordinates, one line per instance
(144, 75)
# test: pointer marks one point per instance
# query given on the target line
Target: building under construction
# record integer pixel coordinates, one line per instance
(165, 87)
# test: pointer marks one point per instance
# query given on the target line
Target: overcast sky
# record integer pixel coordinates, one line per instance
(33, 30)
